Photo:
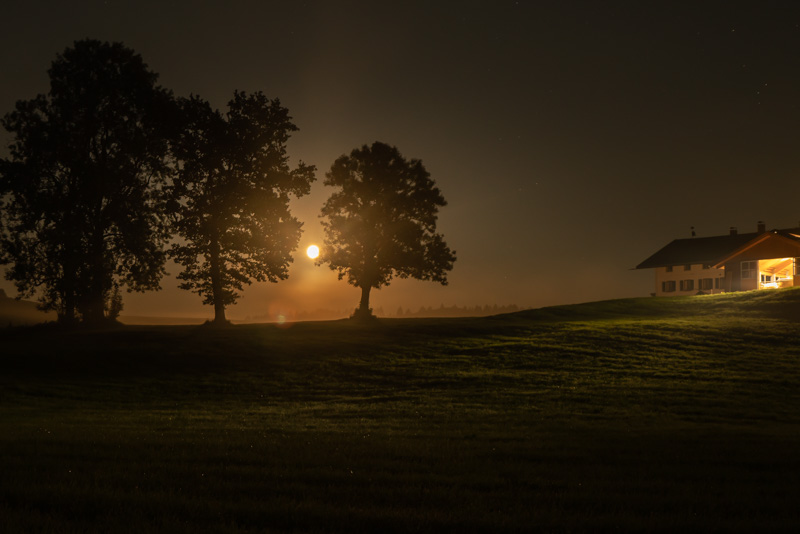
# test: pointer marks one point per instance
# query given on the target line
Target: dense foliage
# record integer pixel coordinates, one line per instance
(380, 222)
(107, 165)
(231, 196)
(81, 185)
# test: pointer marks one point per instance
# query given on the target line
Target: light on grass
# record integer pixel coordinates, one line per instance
(312, 251)
(282, 321)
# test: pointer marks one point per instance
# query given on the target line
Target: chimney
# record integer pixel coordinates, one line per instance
(733, 230)
(761, 227)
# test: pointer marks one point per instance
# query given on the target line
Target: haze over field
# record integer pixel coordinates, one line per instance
(571, 141)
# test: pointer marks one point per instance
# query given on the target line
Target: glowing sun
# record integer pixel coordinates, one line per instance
(312, 251)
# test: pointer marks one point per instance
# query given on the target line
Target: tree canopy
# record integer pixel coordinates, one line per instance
(380, 222)
(82, 209)
(231, 196)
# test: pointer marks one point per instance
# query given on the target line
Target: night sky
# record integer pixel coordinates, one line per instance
(571, 140)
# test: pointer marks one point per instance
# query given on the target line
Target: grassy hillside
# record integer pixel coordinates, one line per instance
(657, 414)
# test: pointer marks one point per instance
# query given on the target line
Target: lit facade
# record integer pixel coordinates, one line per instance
(734, 262)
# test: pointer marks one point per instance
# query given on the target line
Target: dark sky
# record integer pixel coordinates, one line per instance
(571, 139)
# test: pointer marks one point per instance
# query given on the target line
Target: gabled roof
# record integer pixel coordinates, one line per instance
(791, 233)
(789, 238)
(707, 250)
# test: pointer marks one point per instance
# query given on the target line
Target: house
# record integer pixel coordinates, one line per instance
(735, 262)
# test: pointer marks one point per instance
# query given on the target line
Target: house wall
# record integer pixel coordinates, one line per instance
(796, 277)
(696, 274)
(734, 280)
(733, 276)
(747, 284)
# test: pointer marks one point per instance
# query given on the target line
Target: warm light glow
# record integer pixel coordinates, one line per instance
(312, 251)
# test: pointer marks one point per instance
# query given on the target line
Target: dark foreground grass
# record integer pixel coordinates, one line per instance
(649, 414)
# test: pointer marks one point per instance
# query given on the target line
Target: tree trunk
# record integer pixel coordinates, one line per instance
(219, 313)
(71, 259)
(96, 299)
(67, 313)
(363, 308)
(216, 284)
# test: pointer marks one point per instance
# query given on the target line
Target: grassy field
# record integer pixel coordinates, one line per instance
(646, 414)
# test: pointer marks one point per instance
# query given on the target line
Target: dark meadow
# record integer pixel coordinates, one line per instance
(630, 415)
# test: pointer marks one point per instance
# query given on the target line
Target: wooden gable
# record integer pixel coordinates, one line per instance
(766, 246)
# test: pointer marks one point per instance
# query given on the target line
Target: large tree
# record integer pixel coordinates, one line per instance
(81, 215)
(380, 222)
(231, 197)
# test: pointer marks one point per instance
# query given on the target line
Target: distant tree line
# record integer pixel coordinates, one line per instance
(110, 174)
(457, 311)
(322, 314)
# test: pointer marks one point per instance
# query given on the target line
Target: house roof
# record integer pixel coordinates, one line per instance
(707, 250)
(789, 237)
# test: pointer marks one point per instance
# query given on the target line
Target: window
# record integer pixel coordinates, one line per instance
(766, 278)
(717, 283)
(706, 266)
(749, 269)
(668, 287)
(687, 267)
(669, 268)
(687, 285)
(707, 283)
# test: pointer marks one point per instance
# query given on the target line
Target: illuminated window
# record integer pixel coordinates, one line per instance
(749, 269)
(766, 278)
(687, 285)
(707, 283)
(668, 287)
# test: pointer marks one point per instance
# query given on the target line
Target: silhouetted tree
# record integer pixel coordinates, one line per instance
(231, 197)
(86, 162)
(381, 221)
